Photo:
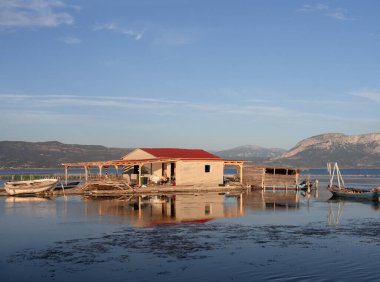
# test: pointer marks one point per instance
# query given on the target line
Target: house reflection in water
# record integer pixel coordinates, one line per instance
(259, 200)
(144, 211)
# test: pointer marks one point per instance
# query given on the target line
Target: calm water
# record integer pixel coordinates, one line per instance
(202, 237)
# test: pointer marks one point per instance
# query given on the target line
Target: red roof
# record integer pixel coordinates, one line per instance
(180, 153)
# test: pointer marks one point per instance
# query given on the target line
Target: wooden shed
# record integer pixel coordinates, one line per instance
(271, 177)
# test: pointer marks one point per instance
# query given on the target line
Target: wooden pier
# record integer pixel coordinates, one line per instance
(81, 190)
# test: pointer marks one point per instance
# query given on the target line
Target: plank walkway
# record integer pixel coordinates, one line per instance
(140, 190)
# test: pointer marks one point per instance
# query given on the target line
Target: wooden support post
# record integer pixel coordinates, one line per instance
(139, 177)
(86, 172)
(117, 171)
(66, 175)
(167, 207)
(139, 204)
(241, 204)
(241, 173)
(100, 171)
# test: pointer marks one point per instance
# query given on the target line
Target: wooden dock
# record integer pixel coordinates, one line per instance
(81, 189)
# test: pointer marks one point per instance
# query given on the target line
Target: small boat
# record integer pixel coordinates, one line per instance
(341, 190)
(30, 187)
(69, 185)
(361, 194)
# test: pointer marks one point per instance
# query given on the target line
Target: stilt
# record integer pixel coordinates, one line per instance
(241, 204)
(139, 203)
(100, 171)
(86, 172)
(66, 175)
(117, 171)
(241, 174)
(139, 177)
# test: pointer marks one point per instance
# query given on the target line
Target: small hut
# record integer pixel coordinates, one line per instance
(271, 177)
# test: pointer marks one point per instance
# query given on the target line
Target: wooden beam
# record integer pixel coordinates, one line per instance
(66, 174)
(86, 172)
(241, 173)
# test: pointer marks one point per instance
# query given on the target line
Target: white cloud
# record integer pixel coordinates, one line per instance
(64, 101)
(373, 96)
(117, 102)
(339, 14)
(119, 29)
(37, 116)
(254, 109)
(314, 8)
(13, 96)
(334, 13)
(34, 13)
(71, 40)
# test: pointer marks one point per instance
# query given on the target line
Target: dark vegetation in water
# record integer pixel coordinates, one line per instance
(191, 242)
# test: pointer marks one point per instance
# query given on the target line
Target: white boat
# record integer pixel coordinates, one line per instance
(30, 187)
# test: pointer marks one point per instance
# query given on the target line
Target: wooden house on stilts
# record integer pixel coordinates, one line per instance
(175, 166)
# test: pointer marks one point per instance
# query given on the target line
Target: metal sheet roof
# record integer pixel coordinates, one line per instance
(180, 153)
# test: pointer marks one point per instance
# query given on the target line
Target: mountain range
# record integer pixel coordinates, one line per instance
(19, 154)
(348, 150)
(251, 153)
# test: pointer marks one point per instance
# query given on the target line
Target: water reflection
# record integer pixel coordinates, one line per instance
(30, 206)
(69, 244)
(30, 199)
(144, 211)
(333, 217)
(271, 200)
(336, 207)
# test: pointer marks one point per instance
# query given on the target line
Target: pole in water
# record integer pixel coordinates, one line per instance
(63, 190)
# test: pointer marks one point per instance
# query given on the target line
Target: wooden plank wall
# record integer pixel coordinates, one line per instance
(257, 176)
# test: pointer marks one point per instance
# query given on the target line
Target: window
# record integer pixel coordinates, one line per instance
(207, 168)
(135, 169)
(207, 209)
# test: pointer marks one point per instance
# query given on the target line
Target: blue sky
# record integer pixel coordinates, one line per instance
(188, 73)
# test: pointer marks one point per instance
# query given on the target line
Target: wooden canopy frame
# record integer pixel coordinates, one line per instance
(117, 163)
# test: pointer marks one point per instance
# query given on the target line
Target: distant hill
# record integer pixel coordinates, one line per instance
(251, 153)
(347, 150)
(19, 154)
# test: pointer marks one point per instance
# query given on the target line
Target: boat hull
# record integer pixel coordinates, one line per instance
(29, 187)
(359, 194)
(63, 186)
